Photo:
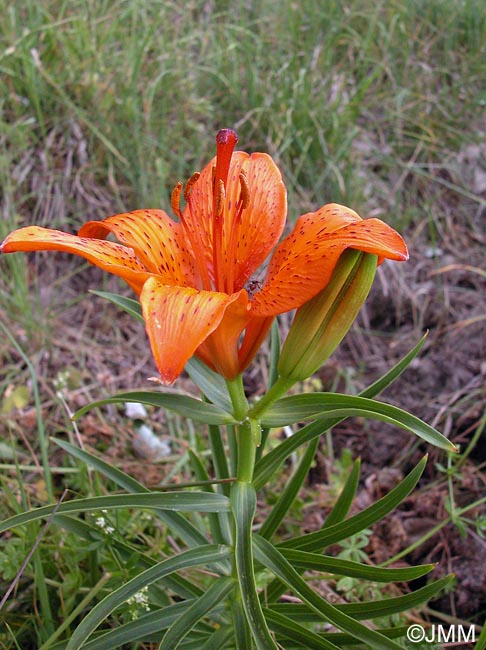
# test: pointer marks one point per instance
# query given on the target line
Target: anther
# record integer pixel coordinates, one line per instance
(244, 190)
(220, 197)
(189, 185)
(175, 199)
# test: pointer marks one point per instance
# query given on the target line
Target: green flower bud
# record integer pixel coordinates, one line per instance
(320, 325)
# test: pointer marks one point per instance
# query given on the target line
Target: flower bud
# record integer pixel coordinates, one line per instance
(320, 324)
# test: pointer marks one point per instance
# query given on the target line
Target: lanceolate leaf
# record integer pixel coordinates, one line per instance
(355, 524)
(370, 609)
(336, 566)
(184, 405)
(178, 501)
(295, 632)
(286, 499)
(193, 557)
(345, 499)
(202, 606)
(141, 629)
(271, 558)
(129, 305)
(329, 406)
(210, 383)
(177, 522)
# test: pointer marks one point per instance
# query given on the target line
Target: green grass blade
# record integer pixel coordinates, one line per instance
(374, 513)
(188, 407)
(272, 559)
(177, 522)
(329, 406)
(316, 562)
(193, 557)
(286, 499)
(243, 501)
(178, 501)
(289, 629)
(345, 499)
(216, 594)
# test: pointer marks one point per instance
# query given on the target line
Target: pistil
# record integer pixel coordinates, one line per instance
(225, 143)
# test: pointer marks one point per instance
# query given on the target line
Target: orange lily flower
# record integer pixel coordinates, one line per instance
(191, 275)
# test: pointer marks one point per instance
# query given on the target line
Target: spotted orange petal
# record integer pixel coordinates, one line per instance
(303, 263)
(157, 240)
(109, 256)
(178, 320)
(249, 234)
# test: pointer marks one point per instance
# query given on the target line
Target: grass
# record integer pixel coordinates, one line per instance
(104, 106)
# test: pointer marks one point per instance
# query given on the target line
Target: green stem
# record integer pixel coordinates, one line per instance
(238, 398)
(243, 501)
(246, 434)
(278, 390)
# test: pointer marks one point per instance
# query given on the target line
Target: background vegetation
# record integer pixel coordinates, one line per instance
(106, 105)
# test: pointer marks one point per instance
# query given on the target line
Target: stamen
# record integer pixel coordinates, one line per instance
(220, 197)
(175, 199)
(244, 190)
(189, 185)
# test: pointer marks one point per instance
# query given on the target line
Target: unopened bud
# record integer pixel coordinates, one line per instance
(320, 325)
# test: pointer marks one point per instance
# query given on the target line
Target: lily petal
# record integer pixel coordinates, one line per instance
(249, 232)
(178, 320)
(303, 263)
(109, 256)
(157, 240)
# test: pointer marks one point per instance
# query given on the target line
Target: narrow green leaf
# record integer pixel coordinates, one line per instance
(210, 383)
(481, 642)
(389, 377)
(367, 517)
(178, 501)
(286, 499)
(275, 589)
(213, 518)
(316, 562)
(129, 305)
(188, 407)
(288, 628)
(218, 640)
(271, 558)
(269, 464)
(243, 501)
(177, 522)
(329, 406)
(345, 499)
(140, 629)
(203, 556)
(216, 593)
(369, 610)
